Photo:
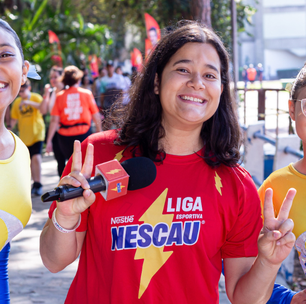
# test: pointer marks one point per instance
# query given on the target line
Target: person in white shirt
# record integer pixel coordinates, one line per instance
(112, 86)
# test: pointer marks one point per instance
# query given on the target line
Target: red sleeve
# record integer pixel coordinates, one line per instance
(67, 170)
(241, 241)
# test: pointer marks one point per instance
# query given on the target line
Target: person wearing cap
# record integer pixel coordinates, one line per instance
(31, 127)
(111, 87)
(73, 111)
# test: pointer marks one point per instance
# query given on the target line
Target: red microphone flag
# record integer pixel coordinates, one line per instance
(116, 179)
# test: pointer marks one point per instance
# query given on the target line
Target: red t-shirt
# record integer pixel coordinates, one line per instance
(165, 243)
(75, 107)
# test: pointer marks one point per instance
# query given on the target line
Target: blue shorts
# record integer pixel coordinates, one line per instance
(4, 282)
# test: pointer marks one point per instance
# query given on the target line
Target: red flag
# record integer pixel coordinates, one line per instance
(153, 33)
(53, 37)
(56, 48)
(93, 65)
(136, 59)
(151, 23)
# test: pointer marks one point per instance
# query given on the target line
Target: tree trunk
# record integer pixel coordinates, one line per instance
(200, 10)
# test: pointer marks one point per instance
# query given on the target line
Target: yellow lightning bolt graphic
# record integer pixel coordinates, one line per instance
(218, 183)
(153, 258)
(119, 156)
(113, 171)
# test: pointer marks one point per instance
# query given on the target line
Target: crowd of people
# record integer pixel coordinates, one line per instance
(167, 242)
(71, 102)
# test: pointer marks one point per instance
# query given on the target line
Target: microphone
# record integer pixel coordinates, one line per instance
(112, 180)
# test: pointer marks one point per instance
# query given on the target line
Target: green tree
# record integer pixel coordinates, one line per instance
(119, 14)
(36, 17)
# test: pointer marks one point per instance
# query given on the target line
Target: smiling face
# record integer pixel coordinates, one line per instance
(55, 78)
(190, 86)
(297, 115)
(12, 71)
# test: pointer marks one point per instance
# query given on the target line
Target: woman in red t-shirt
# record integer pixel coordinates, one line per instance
(181, 116)
(73, 110)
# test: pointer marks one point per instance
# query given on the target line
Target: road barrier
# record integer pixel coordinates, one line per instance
(254, 157)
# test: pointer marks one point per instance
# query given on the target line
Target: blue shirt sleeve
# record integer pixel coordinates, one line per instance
(281, 295)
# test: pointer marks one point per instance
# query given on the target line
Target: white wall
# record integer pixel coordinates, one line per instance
(273, 3)
(281, 60)
(285, 25)
(247, 50)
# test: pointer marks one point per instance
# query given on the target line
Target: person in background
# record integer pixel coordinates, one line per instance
(112, 86)
(73, 111)
(260, 73)
(251, 73)
(127, 80)
(134, 74)
(85, 83)
(15, 172)
(49, 97)
(245, 76)
(128, 83)
(96, 86)
(293, 175)
(26, 110)
(165, 243)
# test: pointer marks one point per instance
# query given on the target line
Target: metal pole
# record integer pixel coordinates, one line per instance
(234, 47)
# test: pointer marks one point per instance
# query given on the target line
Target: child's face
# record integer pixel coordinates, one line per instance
(12, 71)
(24, 92)
(297, 115)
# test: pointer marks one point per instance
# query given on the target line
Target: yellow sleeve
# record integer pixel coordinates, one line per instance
(262, 191)
(36, 97)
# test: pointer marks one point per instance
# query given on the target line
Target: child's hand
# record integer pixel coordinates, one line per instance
(277, 239)
(300, 297)
(46, 90)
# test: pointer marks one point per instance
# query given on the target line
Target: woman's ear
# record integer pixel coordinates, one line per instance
(291, 105)
(156, 84)
(25, 70)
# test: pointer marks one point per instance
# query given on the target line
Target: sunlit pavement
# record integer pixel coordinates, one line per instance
(30, 281)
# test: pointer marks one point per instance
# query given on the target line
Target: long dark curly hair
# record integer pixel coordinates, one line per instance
(140, 122)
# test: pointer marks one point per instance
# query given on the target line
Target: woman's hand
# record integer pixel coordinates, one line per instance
(277, 239)
(68, 211)
(47, 89)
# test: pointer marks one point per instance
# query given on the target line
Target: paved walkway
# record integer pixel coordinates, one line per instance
(30, 281)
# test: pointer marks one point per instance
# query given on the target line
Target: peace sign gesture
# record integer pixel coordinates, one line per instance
(71, 209)
(277, 239)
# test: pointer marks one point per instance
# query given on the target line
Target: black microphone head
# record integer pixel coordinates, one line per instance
(142, 172)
